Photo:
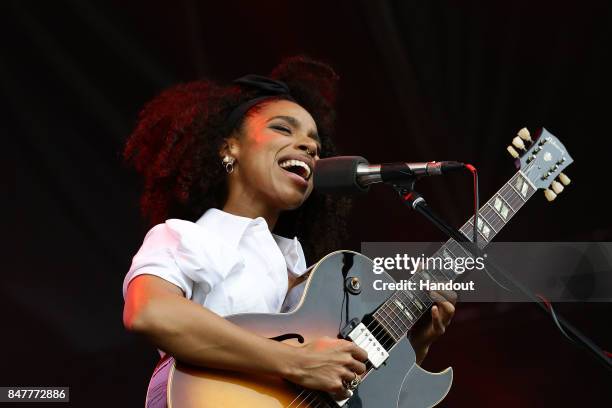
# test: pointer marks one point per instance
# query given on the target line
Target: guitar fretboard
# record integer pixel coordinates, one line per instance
(404, 308)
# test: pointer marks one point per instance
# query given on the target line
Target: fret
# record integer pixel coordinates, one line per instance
(511, 195)
(409, 303)
(499, 208)
(448, 275)
(440, 272)
(521, 186)
(426, 277)
(516, 191)
(484, 228)
(444, 253)
(403, 309)
(492, 217)
(504, 214)
(431, 276)
(448, 250)
(420, 295)
(415, 301)
(496, 214)
(523, 196)
(388, 323)
(527, 180)
(458, 247)
(467, 229)
(411, 306)
(494, 220)
(484, 214)
(393, 307)
(415, 308)
(397, 329)
(403, 292)
(471, 235)
(394, 324)
(482, 217)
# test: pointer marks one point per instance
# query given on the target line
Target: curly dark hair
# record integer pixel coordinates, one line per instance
(175, 147)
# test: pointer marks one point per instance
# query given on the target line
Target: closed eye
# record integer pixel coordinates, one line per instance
(281, 128)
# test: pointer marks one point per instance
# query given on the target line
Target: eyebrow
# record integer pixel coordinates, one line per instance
(296, 124)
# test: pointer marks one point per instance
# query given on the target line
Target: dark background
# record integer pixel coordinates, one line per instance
(421, 80)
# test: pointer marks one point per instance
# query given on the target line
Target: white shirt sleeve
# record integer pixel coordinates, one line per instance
(156, 257)
(185, 254)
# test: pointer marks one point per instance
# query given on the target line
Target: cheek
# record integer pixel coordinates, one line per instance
(258, 157)
(262, 140)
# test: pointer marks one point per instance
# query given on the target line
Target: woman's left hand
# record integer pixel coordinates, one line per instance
(427, 330)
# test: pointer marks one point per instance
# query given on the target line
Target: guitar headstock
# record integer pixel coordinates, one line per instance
(542, 160)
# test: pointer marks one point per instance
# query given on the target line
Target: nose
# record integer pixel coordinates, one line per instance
(309, 146)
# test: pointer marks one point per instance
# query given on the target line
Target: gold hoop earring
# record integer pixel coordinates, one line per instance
(228, 163)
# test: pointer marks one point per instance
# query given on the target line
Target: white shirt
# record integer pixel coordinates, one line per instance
(227, 263)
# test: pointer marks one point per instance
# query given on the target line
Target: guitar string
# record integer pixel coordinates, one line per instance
(311, 392)
(487, 209)
(304, 400)
(513, 206)
(390, 332)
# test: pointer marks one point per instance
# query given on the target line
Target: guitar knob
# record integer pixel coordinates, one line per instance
(564, 179)
(550, 195)
(518, 143)
(524, 134)
(557, 187)
(512, 152)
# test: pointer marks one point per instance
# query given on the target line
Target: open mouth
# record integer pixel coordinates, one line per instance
(296, 167)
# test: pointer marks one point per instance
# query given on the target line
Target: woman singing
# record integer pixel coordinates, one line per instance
(228, 175)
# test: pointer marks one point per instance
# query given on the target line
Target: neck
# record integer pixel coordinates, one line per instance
(400, 312)
(246, 206)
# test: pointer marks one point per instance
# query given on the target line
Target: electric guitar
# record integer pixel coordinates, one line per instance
(339, 301)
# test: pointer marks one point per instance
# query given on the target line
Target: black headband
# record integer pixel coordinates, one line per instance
(266, 88)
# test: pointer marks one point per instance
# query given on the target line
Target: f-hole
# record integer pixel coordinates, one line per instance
(289, 336)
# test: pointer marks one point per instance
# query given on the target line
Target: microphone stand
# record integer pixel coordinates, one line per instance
(414, 200)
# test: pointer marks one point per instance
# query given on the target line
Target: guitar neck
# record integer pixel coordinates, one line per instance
(404, 308)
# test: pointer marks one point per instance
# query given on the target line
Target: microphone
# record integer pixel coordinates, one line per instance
(354, 174)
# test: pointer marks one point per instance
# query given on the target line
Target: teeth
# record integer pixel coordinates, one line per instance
(290, 163)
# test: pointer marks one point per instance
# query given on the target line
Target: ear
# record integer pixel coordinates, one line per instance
(230, 147)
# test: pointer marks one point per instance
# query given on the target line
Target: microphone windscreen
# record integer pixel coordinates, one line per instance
(338, 175)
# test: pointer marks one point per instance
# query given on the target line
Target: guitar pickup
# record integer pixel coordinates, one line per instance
(366, 340)
(360, 335)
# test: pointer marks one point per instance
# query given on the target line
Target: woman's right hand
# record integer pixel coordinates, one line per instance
(326, 364)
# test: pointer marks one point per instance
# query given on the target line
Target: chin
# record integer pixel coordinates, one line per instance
(293, 204)
(292, 200)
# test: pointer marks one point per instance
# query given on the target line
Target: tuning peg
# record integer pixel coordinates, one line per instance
(564, 179)
(556, 187)
(524, 134)
(518, 143)
(549, 194)
(512, 152)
